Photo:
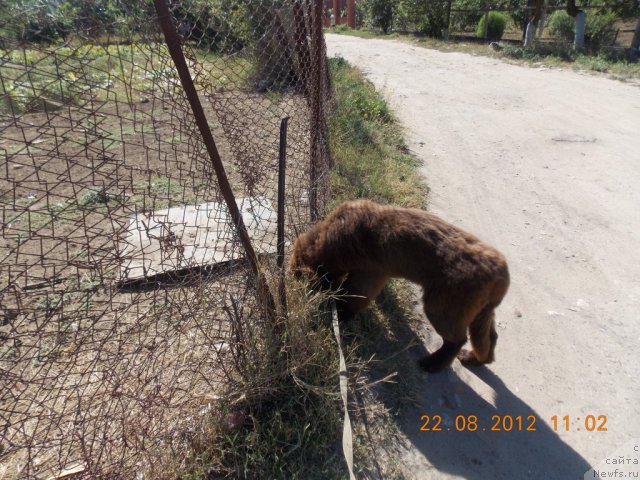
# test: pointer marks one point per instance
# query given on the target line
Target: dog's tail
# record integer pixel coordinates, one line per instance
(484, 337)
(482, 330)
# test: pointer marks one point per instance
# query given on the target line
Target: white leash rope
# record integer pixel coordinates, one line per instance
(347, 437)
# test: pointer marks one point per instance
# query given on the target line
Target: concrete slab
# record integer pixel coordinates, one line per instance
(193, 236)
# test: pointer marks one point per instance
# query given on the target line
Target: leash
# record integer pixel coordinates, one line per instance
(347, 435)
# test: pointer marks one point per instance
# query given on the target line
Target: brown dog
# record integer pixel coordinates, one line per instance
(361, 245)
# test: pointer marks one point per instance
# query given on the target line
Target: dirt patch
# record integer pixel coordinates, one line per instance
(97, 376)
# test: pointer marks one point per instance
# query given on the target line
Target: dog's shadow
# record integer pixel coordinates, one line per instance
(528, 449)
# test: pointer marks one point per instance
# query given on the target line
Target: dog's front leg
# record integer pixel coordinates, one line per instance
(442, 357)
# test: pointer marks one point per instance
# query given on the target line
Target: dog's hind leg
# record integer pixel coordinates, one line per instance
(451, 325)
(442, 357)
(484, 337)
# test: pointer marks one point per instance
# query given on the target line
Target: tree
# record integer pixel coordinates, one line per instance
(381, 13)
(428, 16)
(624, 8)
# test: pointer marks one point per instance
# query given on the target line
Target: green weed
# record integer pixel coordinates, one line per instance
(161, 192)
(49, 78)
(560, 54)
(367, 145)
(360, 32)
(29, 216)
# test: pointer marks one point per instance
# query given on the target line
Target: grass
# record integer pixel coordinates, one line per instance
(287, 419)
(48, 78)
(158, 193)
(286, 422)
(367, 145)
(34, 218)
(543, 53)
(560, 55)
(372, 161)
(161, 192)
(361, 32)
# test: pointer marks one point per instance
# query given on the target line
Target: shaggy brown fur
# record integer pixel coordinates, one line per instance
(361, 245)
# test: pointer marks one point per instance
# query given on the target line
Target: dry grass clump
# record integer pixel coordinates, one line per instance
(284, 419)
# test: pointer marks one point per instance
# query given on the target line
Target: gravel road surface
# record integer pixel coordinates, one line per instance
(545, 165)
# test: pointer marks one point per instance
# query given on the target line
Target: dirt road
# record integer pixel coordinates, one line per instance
(545, 165)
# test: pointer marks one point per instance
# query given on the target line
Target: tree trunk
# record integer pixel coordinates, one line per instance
(635, 43)
(351, 13)
(579, 19)
(578, 41)
(543, 18)
(530, 32)
(572, 10)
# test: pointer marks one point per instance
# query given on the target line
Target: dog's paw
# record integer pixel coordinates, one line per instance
(432, 363)
(345, 315)
(468, 358)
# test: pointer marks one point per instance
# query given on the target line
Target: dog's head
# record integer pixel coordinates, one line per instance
(300, 262)
(305, 263)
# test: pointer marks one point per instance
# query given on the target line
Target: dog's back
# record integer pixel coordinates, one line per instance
(405, 242)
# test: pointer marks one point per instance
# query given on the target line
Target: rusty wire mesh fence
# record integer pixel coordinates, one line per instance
(126, 298)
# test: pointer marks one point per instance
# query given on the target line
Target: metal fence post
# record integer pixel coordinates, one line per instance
(282, 160)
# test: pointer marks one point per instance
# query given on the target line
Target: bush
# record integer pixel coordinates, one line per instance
(212, 23)
(497, 22)
(426, 17)
(436, 19)
(599, 29)
(34, 22)
(467, 20)
(402, 18)
(540, 51)
(380, 13)
(433, 22)
(561, 25)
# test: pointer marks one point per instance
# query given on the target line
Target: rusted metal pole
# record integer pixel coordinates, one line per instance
(175, 50)
(315, 93)
(282, 165)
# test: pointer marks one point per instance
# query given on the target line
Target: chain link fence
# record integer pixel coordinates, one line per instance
(127, 298)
